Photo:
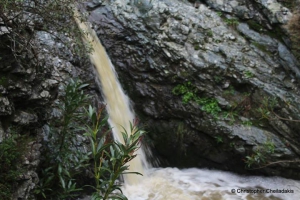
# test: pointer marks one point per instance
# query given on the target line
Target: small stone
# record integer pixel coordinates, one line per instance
(25, 118)
(45, 94)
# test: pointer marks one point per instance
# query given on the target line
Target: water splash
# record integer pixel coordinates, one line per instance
(204, 184)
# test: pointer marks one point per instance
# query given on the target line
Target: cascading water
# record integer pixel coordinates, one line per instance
(120, 114)
(172, 183)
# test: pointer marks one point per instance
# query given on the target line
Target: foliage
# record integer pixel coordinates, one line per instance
(229, 91)
(255, 25)
(110, 158)
(262, 47)
(189, 93)
(247, 123)
(61, 154)
(219, 13)
(260, 154)
(232, 22)
(187, 90)
(248, 74)
(64, 163)
(219, 139)
(209, 33)
(232, 144)
(10, 159)
(19, 19)
(218, 79)
(197, 47)
(266, 108)
(209, 105)
(231, 116)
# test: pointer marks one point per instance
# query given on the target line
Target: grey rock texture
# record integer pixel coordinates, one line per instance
(157, 45)
(274, 11)
(30, 96)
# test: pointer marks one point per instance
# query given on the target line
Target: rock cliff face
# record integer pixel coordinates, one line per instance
(30, 95)
(213, 83)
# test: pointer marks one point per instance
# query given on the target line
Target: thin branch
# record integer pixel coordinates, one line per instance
(292, 120)
(277, 162)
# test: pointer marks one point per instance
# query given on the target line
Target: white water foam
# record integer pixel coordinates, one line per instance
(204, 184)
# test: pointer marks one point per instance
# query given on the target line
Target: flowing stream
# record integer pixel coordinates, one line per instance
(172, 183)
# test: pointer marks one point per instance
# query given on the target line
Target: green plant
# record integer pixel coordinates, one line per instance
(187, 90)
(256, 158)
(269, 146)
(218, 79)
(209, 105)
(219, 139)
(247, 123)
(209, 33)
(231, 116)
(232, 144)
(10, 160)
(255, 25)
(196, 47)
(232, 22)
(266, 107)
(110, 158)
(189, 93)
(262, 47)
(66, 161)
(248, 74)
(260, 154)
(229, 91)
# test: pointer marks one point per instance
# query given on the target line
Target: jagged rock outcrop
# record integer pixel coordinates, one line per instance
(236, 67)
(31, 92)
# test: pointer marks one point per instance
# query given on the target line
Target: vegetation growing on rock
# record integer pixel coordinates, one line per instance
(10, 161)
(20, 19)
(65, 162)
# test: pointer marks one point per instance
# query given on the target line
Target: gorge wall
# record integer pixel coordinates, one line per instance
(214, 83)
(31, 93)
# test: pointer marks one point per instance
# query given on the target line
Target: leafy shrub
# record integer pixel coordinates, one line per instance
(189, 93)
(65, 160)
(187, 90)
(232, 22)
(110, 158)
(260, 154)
(10, 158)
(209, 105)
(59, 181)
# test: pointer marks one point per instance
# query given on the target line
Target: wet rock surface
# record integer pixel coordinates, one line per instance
(158, 45)
(30, 97)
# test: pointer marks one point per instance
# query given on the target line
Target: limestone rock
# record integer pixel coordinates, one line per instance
(241, 65)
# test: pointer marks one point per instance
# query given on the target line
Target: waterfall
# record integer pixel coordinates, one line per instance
(118, 104)
(172, 183)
